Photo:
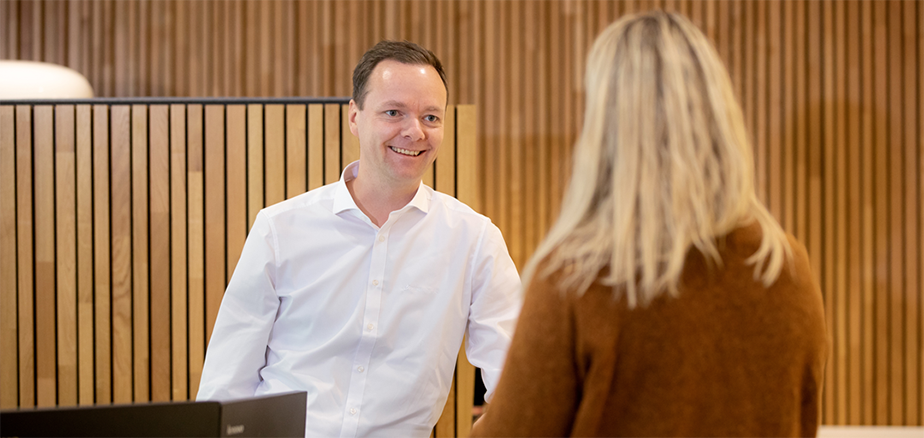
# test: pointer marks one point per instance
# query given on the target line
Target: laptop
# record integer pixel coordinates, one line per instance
(275, 415)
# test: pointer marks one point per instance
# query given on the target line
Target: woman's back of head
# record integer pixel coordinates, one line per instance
(663, 165)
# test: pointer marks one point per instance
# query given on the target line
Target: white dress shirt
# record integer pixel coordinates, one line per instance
(367, 320)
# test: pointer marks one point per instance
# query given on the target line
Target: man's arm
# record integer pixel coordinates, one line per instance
(496, 302)
(237, 349)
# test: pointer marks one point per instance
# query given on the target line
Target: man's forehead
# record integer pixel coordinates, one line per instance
(399, 85)
(388, 69)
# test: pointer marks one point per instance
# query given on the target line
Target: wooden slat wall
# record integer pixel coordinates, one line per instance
(138, 214)
(831, 92)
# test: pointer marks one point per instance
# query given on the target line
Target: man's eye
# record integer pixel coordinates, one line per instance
(391, 113)
(432, 119)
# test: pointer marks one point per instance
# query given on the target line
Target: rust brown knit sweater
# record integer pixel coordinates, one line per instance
(726, 358)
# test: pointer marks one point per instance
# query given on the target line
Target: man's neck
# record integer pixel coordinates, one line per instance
(377, 201)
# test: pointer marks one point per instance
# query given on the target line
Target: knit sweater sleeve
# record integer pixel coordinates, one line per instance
(539, 391)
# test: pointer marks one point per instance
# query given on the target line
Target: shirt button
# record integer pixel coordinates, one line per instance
(375, 282)
(370, 327)
(353, 411)
(381, 238)
(360, 368)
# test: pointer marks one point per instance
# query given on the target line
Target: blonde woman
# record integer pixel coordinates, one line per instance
(666, 300)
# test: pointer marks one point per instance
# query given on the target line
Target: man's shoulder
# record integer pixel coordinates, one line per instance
(321, 196)
(456, 207)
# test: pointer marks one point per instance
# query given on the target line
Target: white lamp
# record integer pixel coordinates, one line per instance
(41, 80)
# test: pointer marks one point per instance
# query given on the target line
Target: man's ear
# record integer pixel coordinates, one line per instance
(354, 110)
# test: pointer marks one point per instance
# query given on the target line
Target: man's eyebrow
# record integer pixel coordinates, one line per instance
(394, 103)
(397, 104)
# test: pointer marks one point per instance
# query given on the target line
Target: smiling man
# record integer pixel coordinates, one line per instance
(360, 292)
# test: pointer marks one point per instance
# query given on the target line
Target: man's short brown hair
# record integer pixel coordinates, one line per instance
(404, 52)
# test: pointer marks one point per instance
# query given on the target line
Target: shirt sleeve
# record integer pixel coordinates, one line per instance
(539, 391)
(237, 349)
(495, 307)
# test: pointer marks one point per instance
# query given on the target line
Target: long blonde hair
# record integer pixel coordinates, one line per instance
(663, 165)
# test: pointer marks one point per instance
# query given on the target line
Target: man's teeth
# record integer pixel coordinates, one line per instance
(405, 151)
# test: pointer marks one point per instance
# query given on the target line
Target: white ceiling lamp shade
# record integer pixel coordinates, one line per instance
(41, 80)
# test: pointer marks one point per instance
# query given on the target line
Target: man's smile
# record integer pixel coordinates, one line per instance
(405, 151)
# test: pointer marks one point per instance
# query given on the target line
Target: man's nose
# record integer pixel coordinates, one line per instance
(413, 130)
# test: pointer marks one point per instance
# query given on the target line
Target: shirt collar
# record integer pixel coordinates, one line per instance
(343, 200)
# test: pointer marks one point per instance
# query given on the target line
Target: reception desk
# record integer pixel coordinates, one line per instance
(121, 221)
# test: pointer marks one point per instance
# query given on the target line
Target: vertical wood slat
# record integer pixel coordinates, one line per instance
(9, 330)
(446, 159)
(121, 256)
(911, 368)
(920, 136)
(236, 185)
(815, 144)
(542, 137)
(516, 156)
(881, 220)
(332, 157)
(842, 350)
(66, 253)
(160, 311)
(25, 228)
(8, 34)
(254, 162)
(854, 238)
(868, 394)
(467, 181)
(787, 144)
(896, 181)
(196, 243)
(315, 146)
(215, 276)
(467, 191)
(178, 255)
(296, 159)
(85, 282)
(274, 153)
(776, 104)
(830, 395)
(101, 255)
(43, 151)
(140, 256)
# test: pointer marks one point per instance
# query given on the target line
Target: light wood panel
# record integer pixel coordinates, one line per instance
(196, 329)
(9, 388)
(140, 257)
(236, 185)
(43, 203)
(85, 289)
(159, 189)
(66, 253)
(102, 267)
(25, 251)
(179, 286)
(215, 219)
(121, 203)
(141, 211)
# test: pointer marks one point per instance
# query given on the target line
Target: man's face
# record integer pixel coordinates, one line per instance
(400, 127)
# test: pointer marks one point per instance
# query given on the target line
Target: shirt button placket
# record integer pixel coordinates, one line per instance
(375, 285)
